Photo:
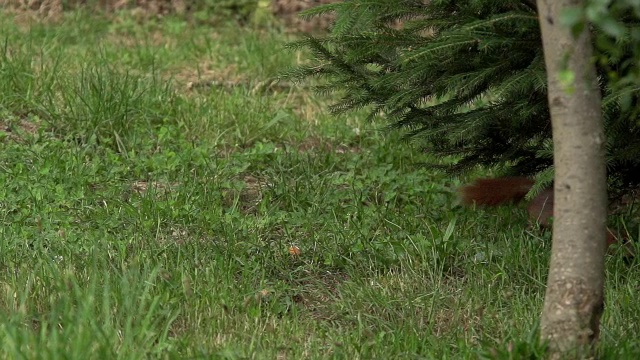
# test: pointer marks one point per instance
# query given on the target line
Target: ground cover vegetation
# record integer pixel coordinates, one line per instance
(163, 196)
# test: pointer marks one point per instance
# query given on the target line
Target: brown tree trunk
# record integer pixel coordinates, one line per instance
(574, 299)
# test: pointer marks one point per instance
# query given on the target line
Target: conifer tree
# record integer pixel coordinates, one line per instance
(467, 80)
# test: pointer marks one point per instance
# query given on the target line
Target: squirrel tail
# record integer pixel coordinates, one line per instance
(498, 191)
(494, 192)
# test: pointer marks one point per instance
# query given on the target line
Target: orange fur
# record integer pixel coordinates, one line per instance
(498, 191)
(493, 192)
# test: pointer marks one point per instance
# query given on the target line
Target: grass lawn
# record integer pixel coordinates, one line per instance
(162, 197)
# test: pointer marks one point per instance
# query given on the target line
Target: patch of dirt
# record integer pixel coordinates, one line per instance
(319, 290)
(206, 75)
(18, 130)
(142, 10)
(141, 187)
(155, 38)
(449, 319)
(288, 10)
(43, 9)
(27, 11)
(248, 197)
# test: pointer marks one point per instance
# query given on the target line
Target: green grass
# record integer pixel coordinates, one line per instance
(154, 184)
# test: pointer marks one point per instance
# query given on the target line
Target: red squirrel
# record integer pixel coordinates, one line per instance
(498, 191)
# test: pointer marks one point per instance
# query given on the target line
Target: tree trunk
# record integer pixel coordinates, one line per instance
(574, 299)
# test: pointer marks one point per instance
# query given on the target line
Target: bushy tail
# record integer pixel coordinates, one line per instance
(493, 192)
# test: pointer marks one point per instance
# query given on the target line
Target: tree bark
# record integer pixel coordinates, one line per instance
(574, 300)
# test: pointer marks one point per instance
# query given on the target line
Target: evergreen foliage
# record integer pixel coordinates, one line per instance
(467, 79)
